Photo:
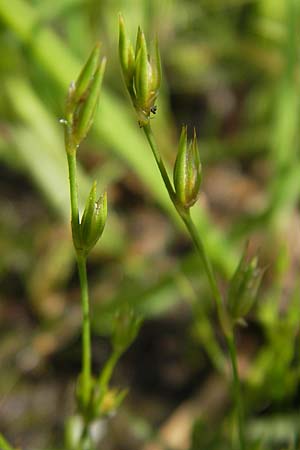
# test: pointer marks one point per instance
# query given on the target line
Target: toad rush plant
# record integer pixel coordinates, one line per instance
(94, 397)
(142, 76)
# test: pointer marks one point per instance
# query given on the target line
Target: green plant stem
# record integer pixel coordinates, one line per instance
(237, 391)
(221, 311)
(81, 263)
(86, 331)
(224, 320)
(150, 138)
(73, 196)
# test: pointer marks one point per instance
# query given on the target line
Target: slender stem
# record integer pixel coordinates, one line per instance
(73, 197)
(224, 320)
(86, 331)
(237, 392)
(225, 324)
(150, 138)
(221, 311)
(81, 263)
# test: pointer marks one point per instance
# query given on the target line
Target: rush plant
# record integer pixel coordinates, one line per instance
(94, 397)
(142, 76)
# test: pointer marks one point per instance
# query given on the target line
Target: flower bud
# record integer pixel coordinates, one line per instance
(142, 74)
(187, 170)
(93, 219)
(243, 287)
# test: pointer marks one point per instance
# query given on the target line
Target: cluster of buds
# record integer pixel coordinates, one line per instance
(142, 74)
(82, 100)
(187, 173)
(243, 287)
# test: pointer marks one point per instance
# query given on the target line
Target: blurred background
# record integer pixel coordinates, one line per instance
(231, 69)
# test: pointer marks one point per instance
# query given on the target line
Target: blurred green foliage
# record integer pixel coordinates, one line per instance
(231, 69)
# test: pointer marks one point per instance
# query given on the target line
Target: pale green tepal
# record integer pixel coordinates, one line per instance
(82, 100)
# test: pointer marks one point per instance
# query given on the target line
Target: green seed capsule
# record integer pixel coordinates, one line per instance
(243, 287)
(93, 219)
(187, 171)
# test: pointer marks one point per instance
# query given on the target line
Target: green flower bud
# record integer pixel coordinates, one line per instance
(93, 219)
(85, 111)
(187, 170)
(142, 74)
(243, 287)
